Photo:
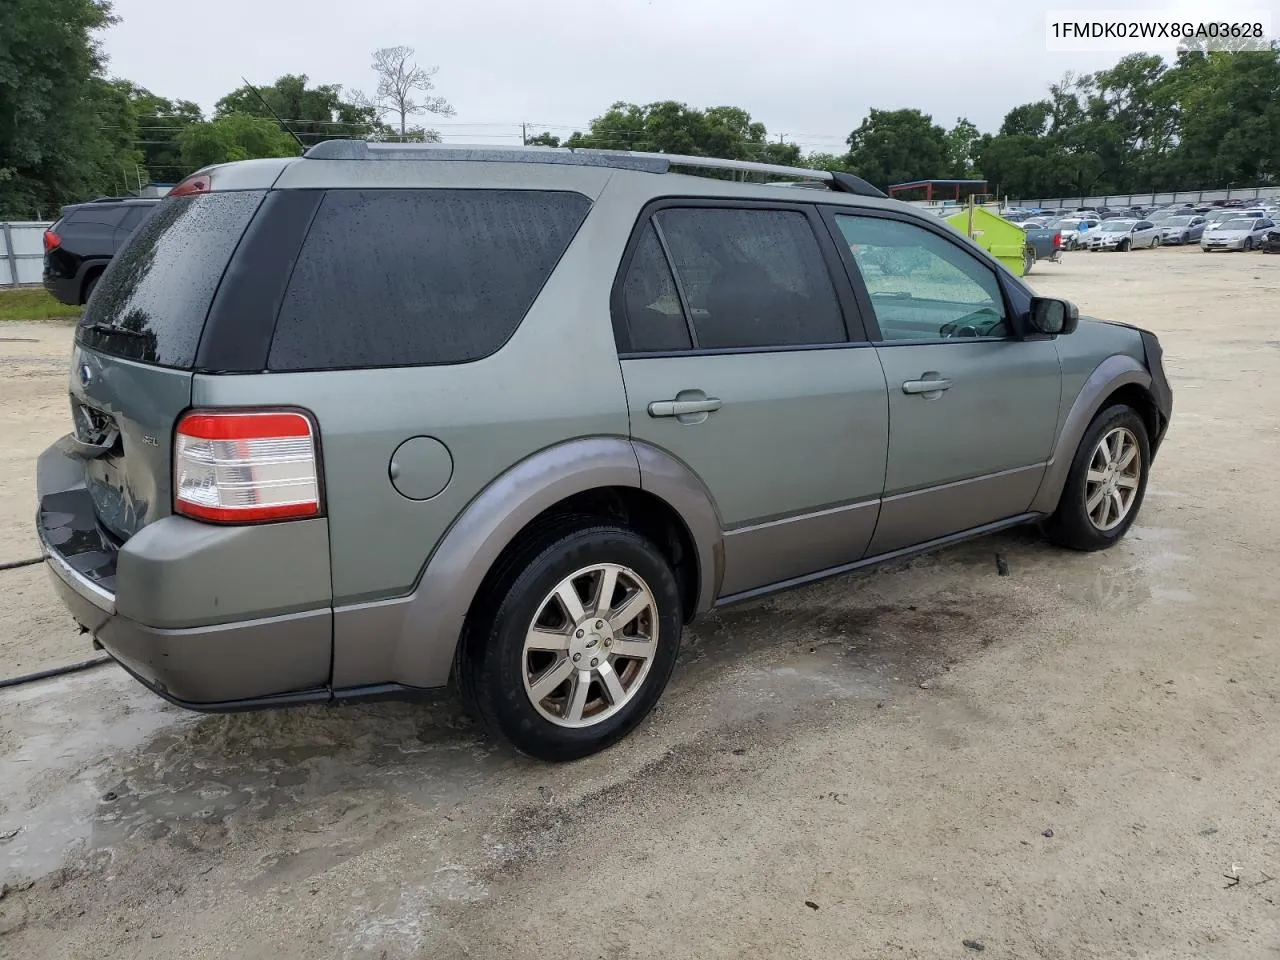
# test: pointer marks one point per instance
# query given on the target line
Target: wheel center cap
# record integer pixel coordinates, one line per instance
(590, 643)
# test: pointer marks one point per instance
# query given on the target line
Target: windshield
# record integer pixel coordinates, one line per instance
(1237, 225)
(1116, 226)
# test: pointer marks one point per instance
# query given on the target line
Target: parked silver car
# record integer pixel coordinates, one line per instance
(386, 416)
(1179, 230)
(1241, 233)
(1123, 235)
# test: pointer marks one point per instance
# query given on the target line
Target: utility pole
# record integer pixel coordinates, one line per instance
(524, 134)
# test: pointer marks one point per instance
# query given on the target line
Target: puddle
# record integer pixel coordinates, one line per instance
(1142, 569)
(103, 762)
(50, 774)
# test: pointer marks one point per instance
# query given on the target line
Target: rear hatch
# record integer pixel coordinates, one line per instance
(135, 349)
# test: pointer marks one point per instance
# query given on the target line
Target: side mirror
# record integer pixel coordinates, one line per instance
(1053, 317)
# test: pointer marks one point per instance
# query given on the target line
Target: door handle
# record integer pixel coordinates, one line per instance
(682, 408)
(926, 386)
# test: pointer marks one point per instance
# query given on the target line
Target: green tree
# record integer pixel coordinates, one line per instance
(895, 146)
(236, 136)
(63, 134)
(962, 142)
(313, 113)
(544, 139)
(672, 127)
(160, 124)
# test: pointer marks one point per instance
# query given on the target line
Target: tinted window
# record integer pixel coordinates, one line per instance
(752, 278)
(132, 217)
(106, 216)
(392, 278)
(151, 302)
(655, 319)
(921, 285)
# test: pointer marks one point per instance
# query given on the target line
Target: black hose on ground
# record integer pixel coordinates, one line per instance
(15, 564)
(55, 672)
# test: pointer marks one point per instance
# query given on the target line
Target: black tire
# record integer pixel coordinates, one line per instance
(491, 660)
(1123, 246)
(1155, 242)
(1248, 244)
(90, 285)
(1028, 260)
(1070, 525)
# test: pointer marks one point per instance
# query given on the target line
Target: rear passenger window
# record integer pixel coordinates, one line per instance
(389, 278)
(655, 318)
(752, 278)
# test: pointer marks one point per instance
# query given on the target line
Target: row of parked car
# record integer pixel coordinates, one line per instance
(1214, 229)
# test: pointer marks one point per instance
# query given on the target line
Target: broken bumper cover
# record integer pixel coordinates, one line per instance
(216, 667)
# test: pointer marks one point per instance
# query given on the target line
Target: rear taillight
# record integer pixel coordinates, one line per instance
(1057, 240)
(246, 467)
(51, 241)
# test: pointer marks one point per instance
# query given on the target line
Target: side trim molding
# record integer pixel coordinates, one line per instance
(877, 560)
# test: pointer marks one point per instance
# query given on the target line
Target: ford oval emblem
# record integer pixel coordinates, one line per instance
(86, 375)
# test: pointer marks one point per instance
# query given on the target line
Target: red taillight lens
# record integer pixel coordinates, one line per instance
(246, 467)
(196, 183)
(51, 241)
(1057, 239)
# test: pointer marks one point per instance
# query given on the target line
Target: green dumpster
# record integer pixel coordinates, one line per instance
(1004, 240)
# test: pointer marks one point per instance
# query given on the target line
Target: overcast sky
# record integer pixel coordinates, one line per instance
(809, 70)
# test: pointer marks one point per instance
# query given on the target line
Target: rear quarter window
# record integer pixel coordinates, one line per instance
(390, 278)
(151, 302)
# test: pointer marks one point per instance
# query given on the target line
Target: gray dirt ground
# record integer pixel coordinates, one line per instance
(1077, 760)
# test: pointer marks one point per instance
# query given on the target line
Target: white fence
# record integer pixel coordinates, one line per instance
(21, 253)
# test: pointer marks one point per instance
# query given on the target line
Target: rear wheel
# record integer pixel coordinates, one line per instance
(574, 644)
(1155, 242)
(1028, 260)
(1106, 484)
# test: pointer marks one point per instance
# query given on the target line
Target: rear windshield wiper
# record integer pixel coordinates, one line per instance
(108, 328)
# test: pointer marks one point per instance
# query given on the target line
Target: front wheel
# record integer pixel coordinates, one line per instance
(1248, 244)
(1106, 483)
(1124, 246)
(574, 643)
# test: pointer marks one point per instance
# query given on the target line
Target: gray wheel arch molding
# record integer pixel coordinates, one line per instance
(412, 640)
(1116, 371)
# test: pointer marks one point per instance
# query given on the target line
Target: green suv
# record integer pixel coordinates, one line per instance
(383, 417)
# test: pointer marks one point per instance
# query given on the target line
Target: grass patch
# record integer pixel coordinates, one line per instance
(33, 303)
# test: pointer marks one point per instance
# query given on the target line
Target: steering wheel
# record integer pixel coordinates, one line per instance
(980, 323)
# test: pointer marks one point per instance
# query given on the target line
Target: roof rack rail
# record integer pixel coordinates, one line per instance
(617, 159)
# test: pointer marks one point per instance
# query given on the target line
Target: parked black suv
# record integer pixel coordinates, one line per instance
(80, 245)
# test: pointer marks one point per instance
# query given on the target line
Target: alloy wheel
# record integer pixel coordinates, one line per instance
(590, 646)
(1111, 482)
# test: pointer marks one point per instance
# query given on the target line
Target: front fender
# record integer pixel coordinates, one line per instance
(412, 640)
(1109, 376)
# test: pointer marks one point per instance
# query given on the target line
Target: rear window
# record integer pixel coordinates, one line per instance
(104, 216)
(392, 278)
(151, 302)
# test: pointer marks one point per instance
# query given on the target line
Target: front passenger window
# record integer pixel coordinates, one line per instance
(923, 287)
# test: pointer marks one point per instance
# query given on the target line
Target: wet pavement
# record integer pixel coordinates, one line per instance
(94, 763)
